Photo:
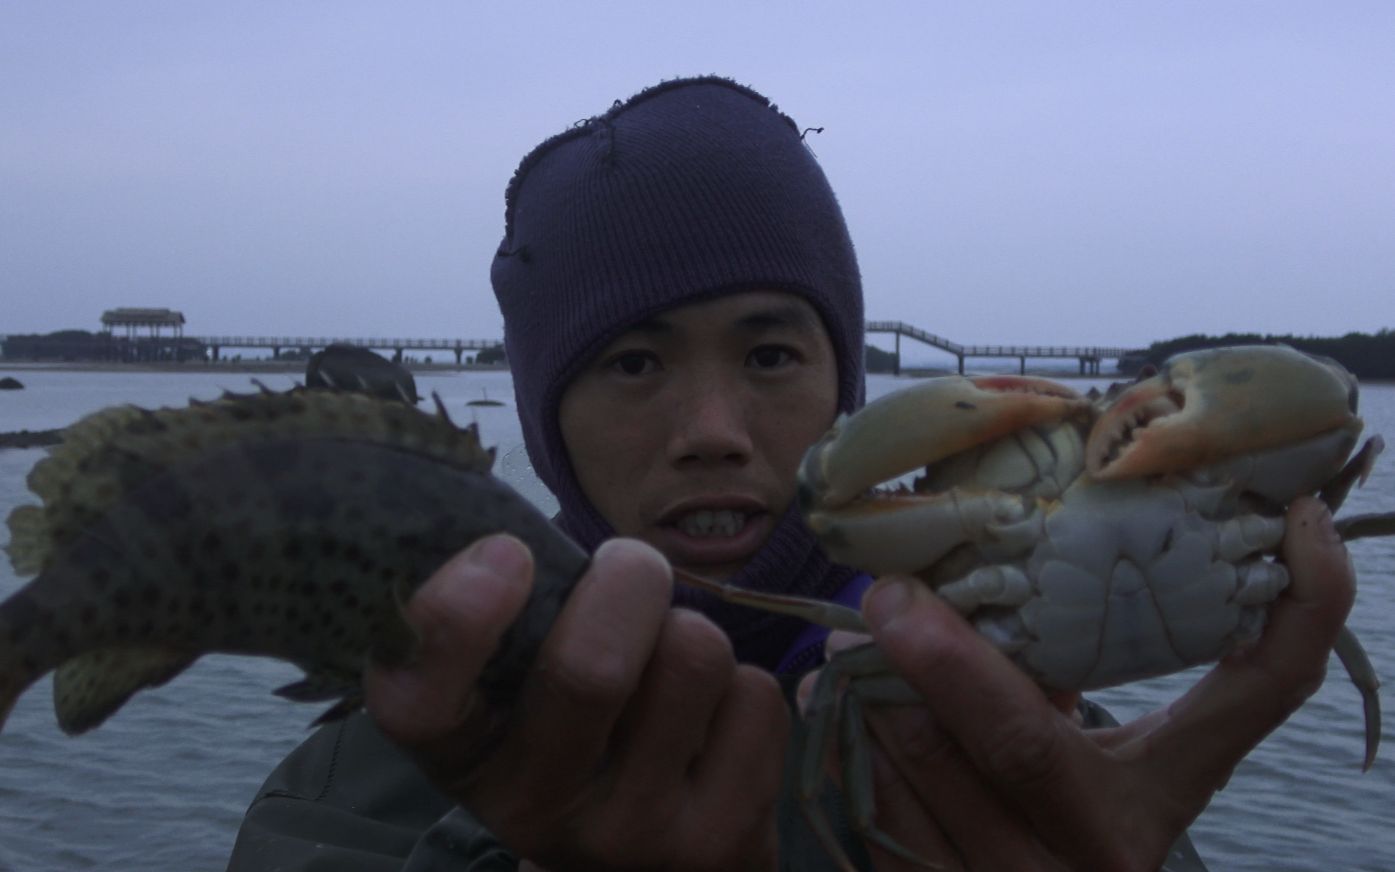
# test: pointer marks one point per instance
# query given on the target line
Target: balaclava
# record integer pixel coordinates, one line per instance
(691, 189)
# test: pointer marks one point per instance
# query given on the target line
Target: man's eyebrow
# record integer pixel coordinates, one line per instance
(795, 317)
(773, 317)
(650, 326)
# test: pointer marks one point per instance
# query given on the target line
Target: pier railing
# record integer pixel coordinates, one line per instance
(362, 342)
(1089, 356)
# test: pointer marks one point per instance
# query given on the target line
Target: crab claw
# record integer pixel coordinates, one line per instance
(902, 432)
(1205, 407)
(919, 425)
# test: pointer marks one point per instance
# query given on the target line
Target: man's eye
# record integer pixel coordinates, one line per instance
(634, 363)
(769, 356)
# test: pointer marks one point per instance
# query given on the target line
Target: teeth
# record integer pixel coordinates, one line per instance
(705, 523)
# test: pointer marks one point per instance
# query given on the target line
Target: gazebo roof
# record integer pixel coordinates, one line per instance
(134, 317)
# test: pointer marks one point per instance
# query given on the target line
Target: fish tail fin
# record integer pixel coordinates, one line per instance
(22, 658)
(8, 697)
(12, 680)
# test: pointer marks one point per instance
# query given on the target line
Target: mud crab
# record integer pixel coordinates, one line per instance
(1093, 541)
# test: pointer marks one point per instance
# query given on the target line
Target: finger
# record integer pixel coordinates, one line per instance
(1247, 695)
(459, 614)
(841, 640)
(1008, 731)
(736, 781)
(585, 673)
(666, 724)
(898, 781)
(922, 776)
(1304, 623)
(1067, 703)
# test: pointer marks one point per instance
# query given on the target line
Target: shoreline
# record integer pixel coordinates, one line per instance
(298, 367)
(240, 366)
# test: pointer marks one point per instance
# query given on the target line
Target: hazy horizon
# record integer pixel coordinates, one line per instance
(1011, 173)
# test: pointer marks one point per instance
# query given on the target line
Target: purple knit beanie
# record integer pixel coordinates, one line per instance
(689, 190)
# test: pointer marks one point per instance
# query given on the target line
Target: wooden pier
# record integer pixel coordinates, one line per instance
(156, 347)
(1089, 356)
(458, 347)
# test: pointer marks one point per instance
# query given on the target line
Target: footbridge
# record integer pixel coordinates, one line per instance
(1089, 356)
(458, 347)
(196, 347)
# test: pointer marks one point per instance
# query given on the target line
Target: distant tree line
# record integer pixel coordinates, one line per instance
(880, 361)
(493, 355)
(83, 345)
(1366, 355)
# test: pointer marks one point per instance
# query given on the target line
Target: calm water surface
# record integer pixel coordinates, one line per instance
(163, 785)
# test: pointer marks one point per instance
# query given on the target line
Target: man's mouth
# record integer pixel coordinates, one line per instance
(712, 533)
(709, 523)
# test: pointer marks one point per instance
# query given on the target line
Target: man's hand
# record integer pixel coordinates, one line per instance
(991, 774)
(636, 741)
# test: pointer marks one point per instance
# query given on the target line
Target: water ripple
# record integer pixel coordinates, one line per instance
(164, 784)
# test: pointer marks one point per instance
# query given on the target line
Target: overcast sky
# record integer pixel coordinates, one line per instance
(1054, 173)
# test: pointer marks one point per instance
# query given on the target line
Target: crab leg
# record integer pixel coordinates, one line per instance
(1363, 675)
(828, 614)
(1206, 406)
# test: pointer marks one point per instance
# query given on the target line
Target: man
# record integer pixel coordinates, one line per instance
(683, 314)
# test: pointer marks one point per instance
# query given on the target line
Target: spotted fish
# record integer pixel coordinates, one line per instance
(291, 525)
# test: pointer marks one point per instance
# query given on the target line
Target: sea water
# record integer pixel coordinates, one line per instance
(163, 785)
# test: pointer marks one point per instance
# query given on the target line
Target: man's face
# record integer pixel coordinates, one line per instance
(686, 431)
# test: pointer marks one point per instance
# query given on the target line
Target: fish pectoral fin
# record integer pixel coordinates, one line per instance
(319, 685)
(90, 687)
(340, 710)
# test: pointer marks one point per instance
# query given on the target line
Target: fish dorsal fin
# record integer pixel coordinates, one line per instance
(109, 453)
(90, 688)
(28, 540)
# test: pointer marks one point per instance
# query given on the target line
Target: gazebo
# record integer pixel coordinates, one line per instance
(133, 319)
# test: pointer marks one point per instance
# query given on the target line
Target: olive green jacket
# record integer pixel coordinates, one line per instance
(348, 800)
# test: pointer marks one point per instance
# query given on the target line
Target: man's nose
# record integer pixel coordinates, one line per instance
(712, 427)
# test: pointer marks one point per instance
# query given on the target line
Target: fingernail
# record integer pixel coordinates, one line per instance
(887, 599)
(501, 553)
(1325, 527)
(1319, 517)
(628, 546)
